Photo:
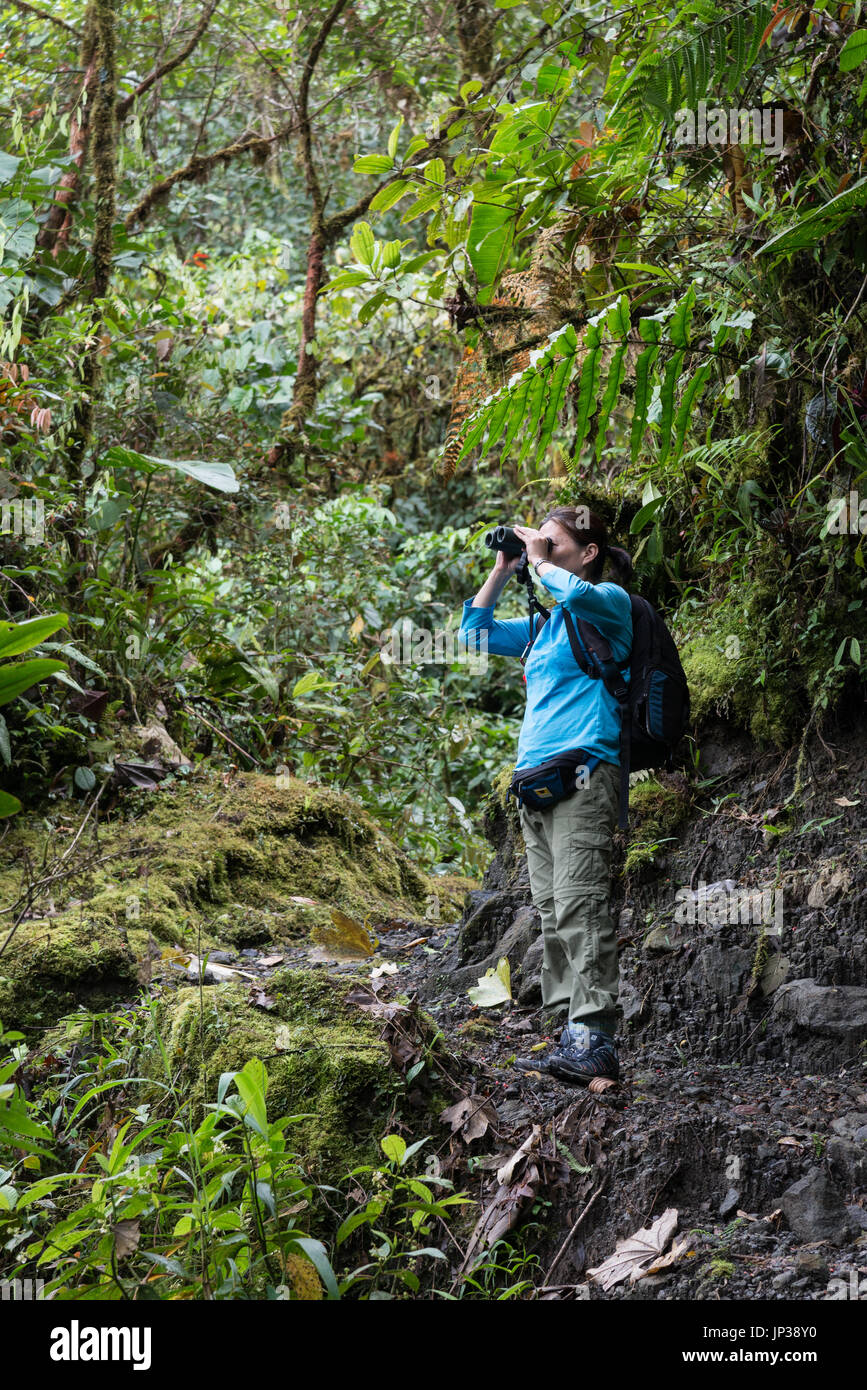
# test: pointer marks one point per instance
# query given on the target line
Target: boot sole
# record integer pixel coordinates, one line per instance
(581, 1078)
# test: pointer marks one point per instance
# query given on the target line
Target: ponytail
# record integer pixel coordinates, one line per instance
(621, 564)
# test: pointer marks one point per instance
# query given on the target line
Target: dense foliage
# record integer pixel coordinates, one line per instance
(278, 284)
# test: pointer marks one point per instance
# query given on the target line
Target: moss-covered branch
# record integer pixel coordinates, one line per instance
(197, 170)
(104, 153)
(46, 15)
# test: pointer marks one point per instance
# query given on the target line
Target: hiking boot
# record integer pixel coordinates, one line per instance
(587, 1055)
(541, 1061)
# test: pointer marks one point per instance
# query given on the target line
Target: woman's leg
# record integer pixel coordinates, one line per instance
(582, 839)
(556, 972)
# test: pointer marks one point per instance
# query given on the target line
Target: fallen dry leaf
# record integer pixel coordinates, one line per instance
(260, 1000)
(126, 1237)
(844, 801)
(600, 1084)
(504, 1175)
(388, 967)
(271, 960)
(635, 1252)
(678, 1251)
(471, 1116)
(345, 937)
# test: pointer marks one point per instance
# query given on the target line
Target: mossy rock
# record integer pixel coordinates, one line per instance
(205, 865)
(723, 686)
(55, 965)
(450, 891)
(324, 1060)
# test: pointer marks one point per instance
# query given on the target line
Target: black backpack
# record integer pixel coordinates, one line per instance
(654, 705)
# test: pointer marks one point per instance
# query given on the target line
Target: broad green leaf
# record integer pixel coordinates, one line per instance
(394, 1147)
(318, 1257)
(9, 805)
(312, 680)
(367, 311)
(489, 241)
(388, 196)
(362, 243)
(220, 476)
(553, 76)
(641, 401)
(252, 1083)
(8, 164)
(20, 637)
(373, 164)
(556, 392)
(681, 320)
(814, 226)
(423, 203)
(666, 401)
(535, 401)
(693, 390)
(18, 230)
(19, 676)
(394, 137)
(500, 414)
(348, 280)
(435, 172)
(645, 515)
(68, 650)
(854, 51)
(516, 415)
(589, 381)
(494, 987)
(610, 394)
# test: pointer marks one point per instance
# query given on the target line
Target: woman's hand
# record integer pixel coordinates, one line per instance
(537, 544)
(505, 566)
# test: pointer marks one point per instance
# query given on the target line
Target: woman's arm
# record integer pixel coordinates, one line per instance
(506, 637)
(605, 604)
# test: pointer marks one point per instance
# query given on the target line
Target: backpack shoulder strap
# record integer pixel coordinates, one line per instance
(596, 648)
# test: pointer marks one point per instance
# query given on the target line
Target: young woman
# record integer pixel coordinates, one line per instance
(573, 720)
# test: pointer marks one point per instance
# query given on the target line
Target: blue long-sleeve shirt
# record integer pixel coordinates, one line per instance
(565, 708)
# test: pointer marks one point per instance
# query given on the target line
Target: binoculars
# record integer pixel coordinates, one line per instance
(504, 539)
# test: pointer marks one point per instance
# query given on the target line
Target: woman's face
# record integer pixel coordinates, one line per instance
(566, 552)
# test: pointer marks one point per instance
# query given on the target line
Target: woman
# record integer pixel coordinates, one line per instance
(573, 720)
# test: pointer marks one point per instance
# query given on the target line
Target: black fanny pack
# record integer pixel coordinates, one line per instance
(543, 786)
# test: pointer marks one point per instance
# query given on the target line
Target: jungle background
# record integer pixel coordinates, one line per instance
(295, 303)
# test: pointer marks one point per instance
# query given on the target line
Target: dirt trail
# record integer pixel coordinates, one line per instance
(744, 1046)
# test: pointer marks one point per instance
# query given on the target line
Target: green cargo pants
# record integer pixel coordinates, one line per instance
(569, 859)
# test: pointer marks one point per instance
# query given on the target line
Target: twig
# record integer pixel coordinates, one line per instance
(561, 1252)
(122, 107)
(220, 734)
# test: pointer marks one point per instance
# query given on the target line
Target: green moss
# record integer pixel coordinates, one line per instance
(216, 865)
(450, 891)
(724, 686)
(324, 1060)
(54, 965)
(656, 810)
(501, 783)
